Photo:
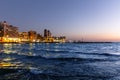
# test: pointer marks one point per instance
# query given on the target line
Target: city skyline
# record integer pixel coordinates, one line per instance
(11, 34)
(88, 20)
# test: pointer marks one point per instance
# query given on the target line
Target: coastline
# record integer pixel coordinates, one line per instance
(52, 42)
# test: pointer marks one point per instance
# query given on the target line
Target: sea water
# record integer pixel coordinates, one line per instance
(60, 61)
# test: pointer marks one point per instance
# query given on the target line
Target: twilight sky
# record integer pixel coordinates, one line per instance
(90, 20)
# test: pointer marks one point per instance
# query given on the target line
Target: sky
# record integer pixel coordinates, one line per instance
(88, 20)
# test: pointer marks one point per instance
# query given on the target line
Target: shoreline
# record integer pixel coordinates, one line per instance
(54, 42)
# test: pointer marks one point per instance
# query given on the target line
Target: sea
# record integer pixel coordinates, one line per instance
(60, 61)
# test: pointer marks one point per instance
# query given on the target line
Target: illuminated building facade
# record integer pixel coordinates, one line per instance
(24, 36)
(39, 38)
(32, 36)
(59, 39)
(8, 33)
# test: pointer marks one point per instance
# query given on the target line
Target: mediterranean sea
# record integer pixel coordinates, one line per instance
(60, 61)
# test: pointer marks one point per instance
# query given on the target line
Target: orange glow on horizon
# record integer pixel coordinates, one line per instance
(98, 37)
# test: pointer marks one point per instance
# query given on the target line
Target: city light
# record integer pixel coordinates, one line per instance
(10, 33)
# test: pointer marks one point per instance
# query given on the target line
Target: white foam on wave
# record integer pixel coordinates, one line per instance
(116, 53)
(35, 70)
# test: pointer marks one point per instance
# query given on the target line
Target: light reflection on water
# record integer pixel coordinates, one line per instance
(63, 59)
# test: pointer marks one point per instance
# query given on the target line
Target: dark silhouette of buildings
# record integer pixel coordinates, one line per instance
(47, 33)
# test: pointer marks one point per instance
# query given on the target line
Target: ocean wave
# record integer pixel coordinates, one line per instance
(80, 59)
(58, 51)
(104, 54)
(75, 56)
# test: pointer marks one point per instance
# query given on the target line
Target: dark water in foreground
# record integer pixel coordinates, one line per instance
(60, 61)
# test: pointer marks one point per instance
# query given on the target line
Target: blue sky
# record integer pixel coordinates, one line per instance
(91, 20)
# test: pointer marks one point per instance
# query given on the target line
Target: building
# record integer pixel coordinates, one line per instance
(47, 33)
(32, 36)
(47, 36)
(24, 36)
(8, 33)
(39, 38)
(59, 39)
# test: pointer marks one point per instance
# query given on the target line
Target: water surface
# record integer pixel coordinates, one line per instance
(60, 61)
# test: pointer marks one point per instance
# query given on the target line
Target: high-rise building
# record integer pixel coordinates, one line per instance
(49, 34)
(8, 33)
(45, 33)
